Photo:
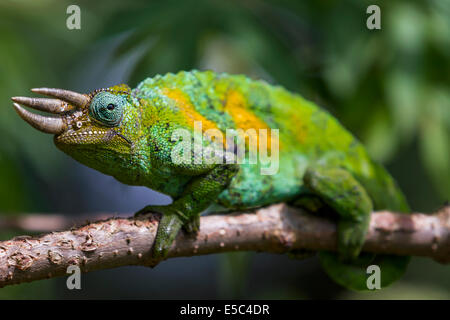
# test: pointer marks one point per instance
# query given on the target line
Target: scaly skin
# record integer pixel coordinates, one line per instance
(320, 163)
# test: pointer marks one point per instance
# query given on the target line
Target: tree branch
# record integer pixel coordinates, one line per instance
(128, 241)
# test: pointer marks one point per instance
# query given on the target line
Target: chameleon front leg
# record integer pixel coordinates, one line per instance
(185, 210)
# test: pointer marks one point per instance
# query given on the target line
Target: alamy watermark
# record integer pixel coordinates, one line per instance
(374, 20)
(73, 21)
(374, 280)
(74, 280)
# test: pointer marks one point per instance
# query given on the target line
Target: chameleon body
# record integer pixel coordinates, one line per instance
(129, 134)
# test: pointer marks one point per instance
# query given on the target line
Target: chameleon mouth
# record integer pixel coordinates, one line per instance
(66, 101)
(89, 135)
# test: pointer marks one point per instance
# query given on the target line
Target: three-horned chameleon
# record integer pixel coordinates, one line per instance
(129, 134)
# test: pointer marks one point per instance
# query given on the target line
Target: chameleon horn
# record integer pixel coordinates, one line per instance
(78, 99)
(44, 104)
(53, 125)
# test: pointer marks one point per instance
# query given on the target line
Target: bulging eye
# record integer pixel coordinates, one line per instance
(107, 109)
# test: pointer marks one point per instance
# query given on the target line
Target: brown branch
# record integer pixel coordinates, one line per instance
(127, 241)
(45, 223)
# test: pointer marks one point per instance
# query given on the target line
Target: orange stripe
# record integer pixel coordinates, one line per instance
(188, 110)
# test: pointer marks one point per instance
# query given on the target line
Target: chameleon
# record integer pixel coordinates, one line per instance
(131, 134)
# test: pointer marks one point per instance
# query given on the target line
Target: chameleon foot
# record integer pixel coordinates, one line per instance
(168, 228)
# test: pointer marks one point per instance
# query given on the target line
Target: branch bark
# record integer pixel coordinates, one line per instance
(279, 228)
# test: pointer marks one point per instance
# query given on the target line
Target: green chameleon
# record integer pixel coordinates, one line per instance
(132, 136)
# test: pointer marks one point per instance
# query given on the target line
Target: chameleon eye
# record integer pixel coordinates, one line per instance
(107, 108)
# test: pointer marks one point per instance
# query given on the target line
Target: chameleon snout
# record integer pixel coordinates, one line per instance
(66, 102)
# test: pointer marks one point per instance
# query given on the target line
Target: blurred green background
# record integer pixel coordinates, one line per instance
(390, 87)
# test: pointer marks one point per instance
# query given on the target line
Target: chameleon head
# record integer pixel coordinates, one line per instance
(83, 122)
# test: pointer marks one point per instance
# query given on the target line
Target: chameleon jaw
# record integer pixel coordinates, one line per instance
(66, 102)
(88, 135)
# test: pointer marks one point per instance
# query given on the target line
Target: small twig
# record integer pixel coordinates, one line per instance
(119, 241)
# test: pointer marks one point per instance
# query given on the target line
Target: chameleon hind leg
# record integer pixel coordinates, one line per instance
(337, 189)
(341, 192)
(185, 210)
(312, 203)
(344, 194)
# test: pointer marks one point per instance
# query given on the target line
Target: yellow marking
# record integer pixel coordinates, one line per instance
(120, 88)
(148, 113)
(189, 112)
(295, 116)
(188, 109)
(298, 128)
(244, 119)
